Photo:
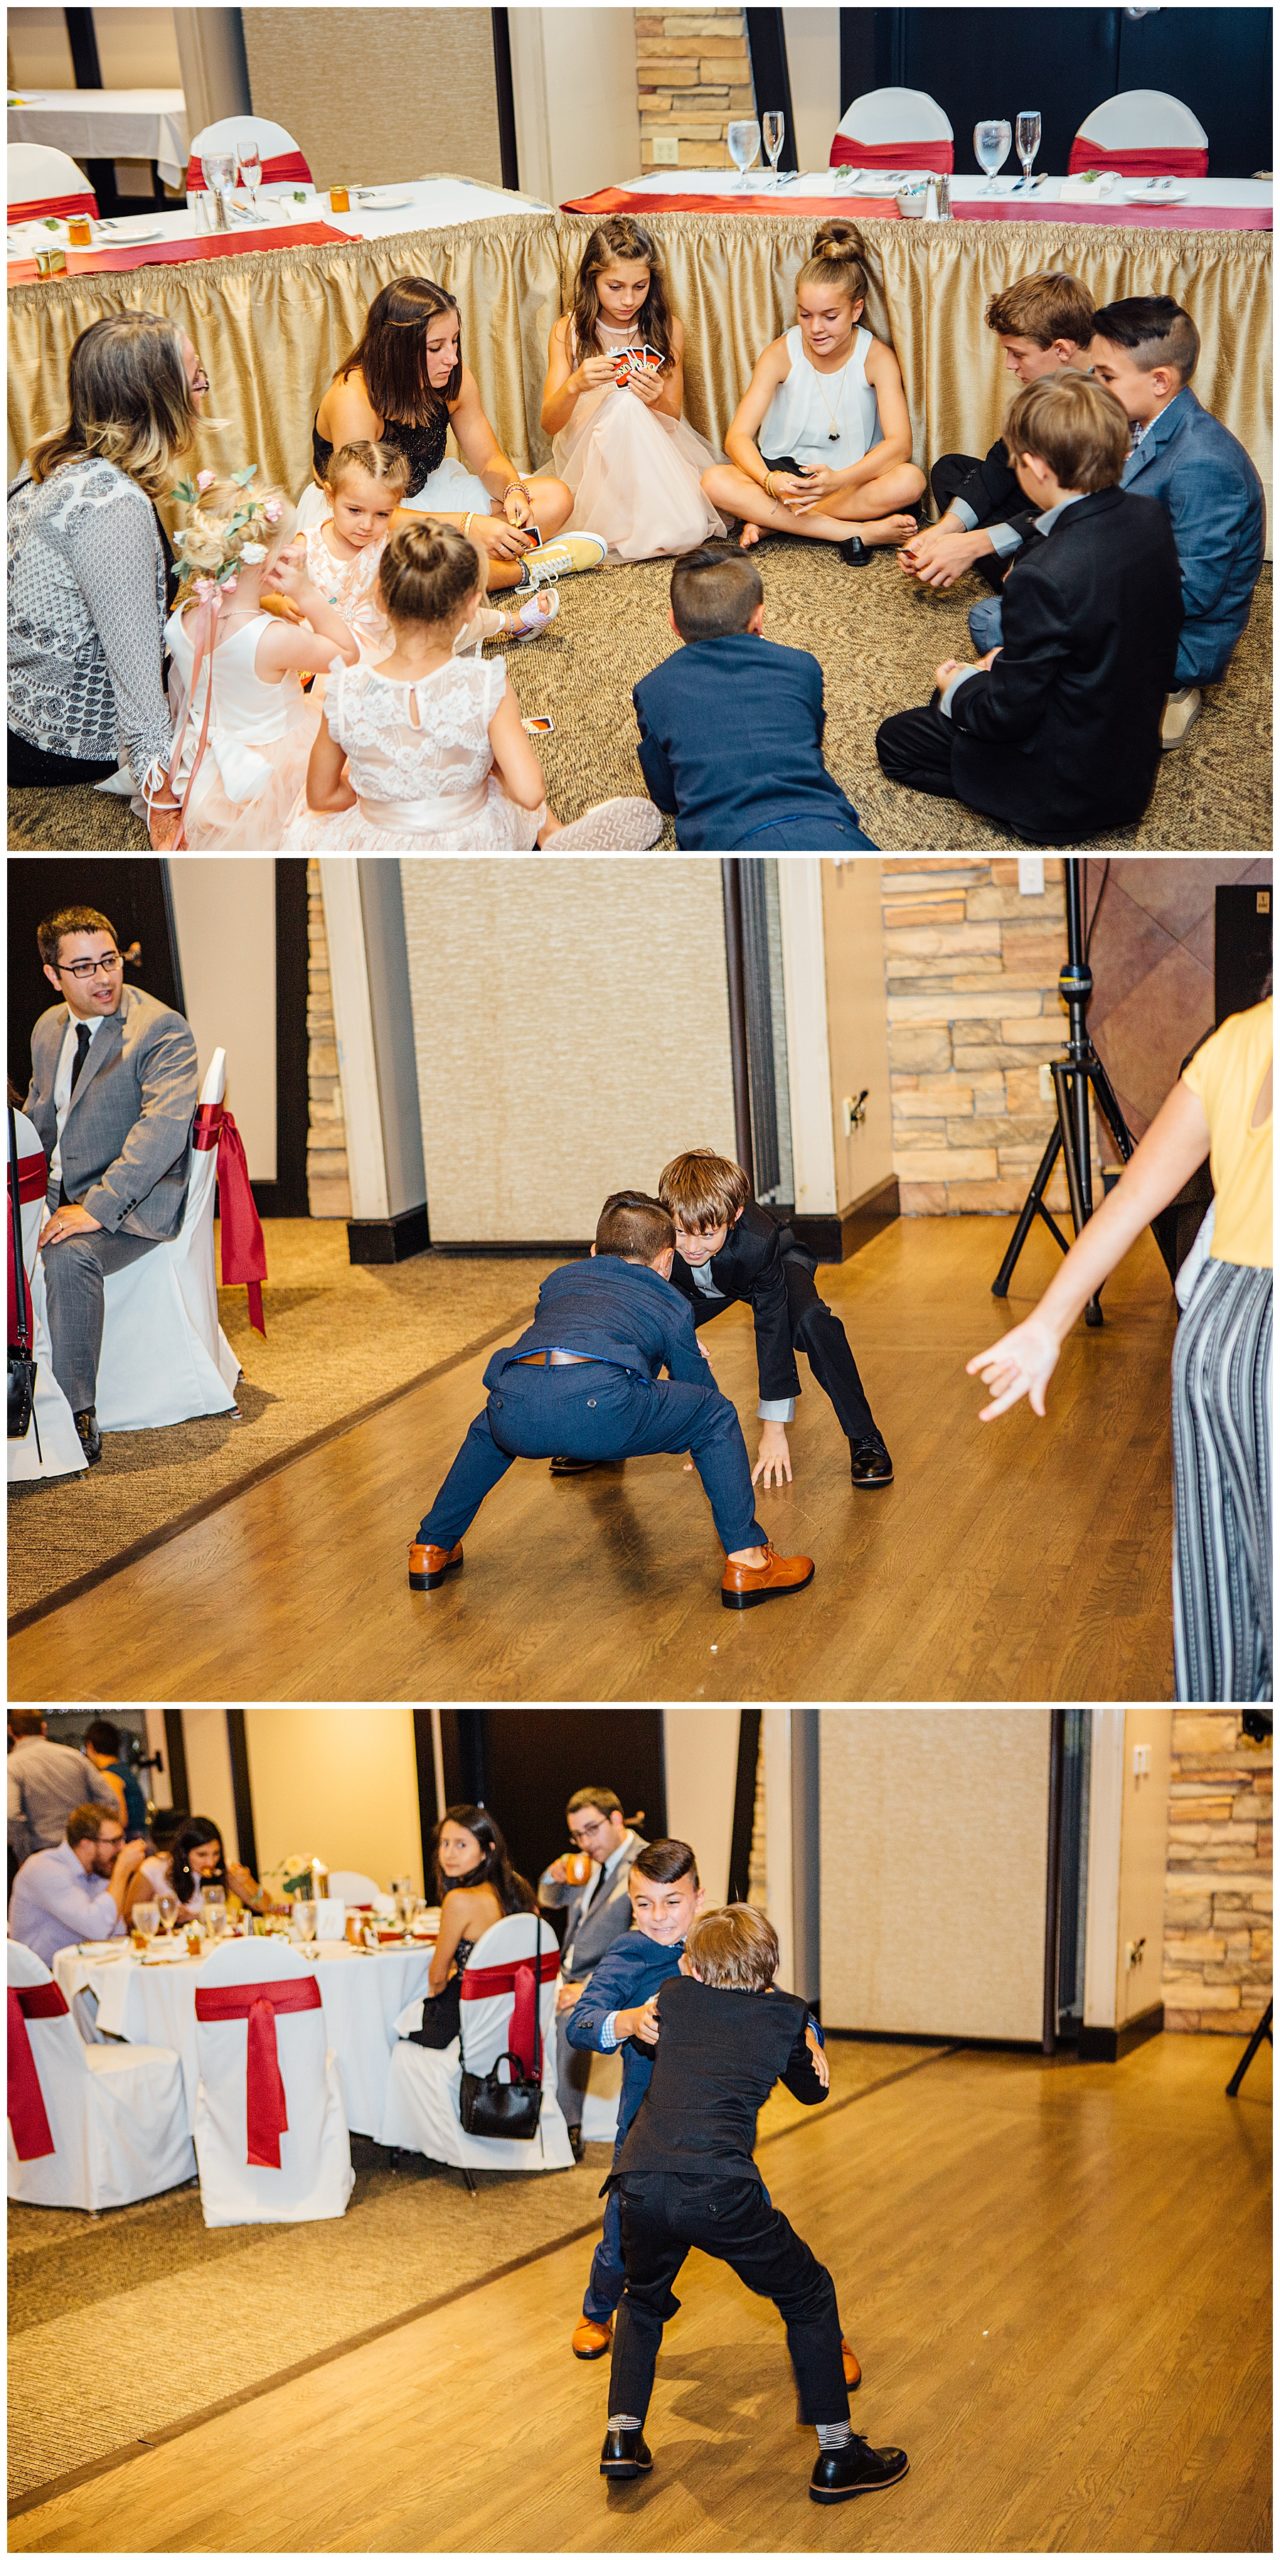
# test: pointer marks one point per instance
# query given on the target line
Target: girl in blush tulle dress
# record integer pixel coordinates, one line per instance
(365, 483)
(621, 445)
(244, 728)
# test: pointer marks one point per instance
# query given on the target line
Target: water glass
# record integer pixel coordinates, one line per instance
(166, 1904)
(144, 1920)
(743, 138)
(219, 174)
(213, 1911)
(302, 1924)
(251, 172)
(991, 140)
(1027, 134)
(774, 127)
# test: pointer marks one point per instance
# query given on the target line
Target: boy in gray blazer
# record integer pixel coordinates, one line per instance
(599, 1911)
(113, 1095)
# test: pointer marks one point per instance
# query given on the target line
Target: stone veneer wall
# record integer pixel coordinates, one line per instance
(1217, 1924)
(693, 72)
(328, 1184)
(971, 971)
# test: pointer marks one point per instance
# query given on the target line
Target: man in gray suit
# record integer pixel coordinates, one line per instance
(599, 1911)
(113, 1096)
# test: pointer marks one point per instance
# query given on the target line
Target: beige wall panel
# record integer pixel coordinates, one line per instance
(571, 1022)
(813, 69)
(39, 50)
(377, 94)
(209, 1787)
(577, 116)
(137, 48)
(700, 1745)
(857, 1022)
(225, 914)
(338, 1783)
(933, 1841)
(1144, 1835)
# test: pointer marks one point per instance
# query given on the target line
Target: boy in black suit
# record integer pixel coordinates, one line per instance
(686, 2179)
(731, 726)
(1056, 734)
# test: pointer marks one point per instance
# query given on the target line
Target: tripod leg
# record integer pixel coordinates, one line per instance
(1110, 1108)
(1034, 1201)
(1263, 2028)
(1071, 1086)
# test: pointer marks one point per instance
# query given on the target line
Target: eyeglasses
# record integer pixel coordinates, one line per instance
(106, 962)
(585, 1829)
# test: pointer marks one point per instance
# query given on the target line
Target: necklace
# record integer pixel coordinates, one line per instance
(833, 431)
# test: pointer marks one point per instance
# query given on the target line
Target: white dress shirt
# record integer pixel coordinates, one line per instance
(775, 1409)
(62, 1090)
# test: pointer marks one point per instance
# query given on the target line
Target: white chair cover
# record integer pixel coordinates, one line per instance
(604, 2095)
(1143, 120)
(896, 115)
(116, 2114)
(314, 2180)
(424, 2088)
(346, 1884)
(165, 1357)
(228, 132)
(58, 1451)
(39, 175)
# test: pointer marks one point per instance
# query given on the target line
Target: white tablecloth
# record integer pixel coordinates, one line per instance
(429, 204)
(108, 124)
(362, 1994)
(967, 187)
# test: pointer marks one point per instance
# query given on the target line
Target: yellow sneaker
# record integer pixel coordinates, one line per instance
(560, 558)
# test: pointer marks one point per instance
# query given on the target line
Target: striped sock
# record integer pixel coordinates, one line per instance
(616, 2421)
(830, 2439)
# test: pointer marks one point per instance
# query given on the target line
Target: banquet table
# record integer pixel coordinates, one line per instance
(1214, 204)
(107, 124)
(362, 1996)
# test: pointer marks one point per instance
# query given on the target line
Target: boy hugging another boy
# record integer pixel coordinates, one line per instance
(685, 2178)
(731, 726)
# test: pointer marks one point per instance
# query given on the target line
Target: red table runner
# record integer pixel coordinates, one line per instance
(620, 200)
(179, 253)
(1163, 217)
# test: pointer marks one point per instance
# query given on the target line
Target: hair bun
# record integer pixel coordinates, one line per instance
(838, 239)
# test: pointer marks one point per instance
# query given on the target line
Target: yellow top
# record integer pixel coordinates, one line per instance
(1228, 1075)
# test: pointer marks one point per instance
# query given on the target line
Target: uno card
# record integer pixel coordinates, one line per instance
(540, 726)
(535, 538)
(650, 358)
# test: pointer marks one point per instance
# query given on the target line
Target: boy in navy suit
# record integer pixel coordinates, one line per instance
(583, 1379)
(731, 726)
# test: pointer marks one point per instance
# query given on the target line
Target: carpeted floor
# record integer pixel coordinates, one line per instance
(337, 1339)
(879, 639)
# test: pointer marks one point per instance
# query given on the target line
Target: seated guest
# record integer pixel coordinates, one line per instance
(113, 1096)
(1042, 323)
(599, 1912)
(47, 1780)
(195, 1859)
(731, 726)
(1056, 735)
(102, 1749)
(78, 1890)
(478, 1886)
(165, 1824)
(1145, 350)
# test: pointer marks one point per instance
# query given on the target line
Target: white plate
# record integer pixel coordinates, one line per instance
(380, 199)
(119, 236)
(1149, 194)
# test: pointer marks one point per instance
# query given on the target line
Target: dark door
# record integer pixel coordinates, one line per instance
(524, 1763)
(1218, 61)
(133, 893)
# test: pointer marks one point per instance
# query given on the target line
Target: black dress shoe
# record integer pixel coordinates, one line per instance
(870, 1463)
(90, 1437)
(572, 1466)
(848, 2470)
(624, 2452)
(854, 552)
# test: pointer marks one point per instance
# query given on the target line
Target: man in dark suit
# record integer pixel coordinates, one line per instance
(1056, 734)
(731, 726)
(583, 1379)
(113, 1096)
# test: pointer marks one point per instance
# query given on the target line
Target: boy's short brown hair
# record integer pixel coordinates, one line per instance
(1153, 329)
(703, 1190)
(664, 1862)
(1042, 308)
(735, 1949)
(634, 1226)
(1075, 425)
(713, 595)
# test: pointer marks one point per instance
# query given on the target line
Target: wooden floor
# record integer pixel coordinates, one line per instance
(1056, 2277)
(1023, 1560)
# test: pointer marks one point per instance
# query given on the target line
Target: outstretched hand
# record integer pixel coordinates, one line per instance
(1020, 1364)
(818, 2058)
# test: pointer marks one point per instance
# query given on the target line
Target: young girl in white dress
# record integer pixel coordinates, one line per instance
(425, 751)
(243, 725)
(820, 444)
(365, 484)
(621, 446)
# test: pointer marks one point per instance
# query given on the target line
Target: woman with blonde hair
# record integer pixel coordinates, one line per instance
(88, 563)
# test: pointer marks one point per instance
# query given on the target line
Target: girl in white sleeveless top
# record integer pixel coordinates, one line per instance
(821, 441)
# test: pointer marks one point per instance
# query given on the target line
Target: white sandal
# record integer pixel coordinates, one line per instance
(534, 614)
(612, 826)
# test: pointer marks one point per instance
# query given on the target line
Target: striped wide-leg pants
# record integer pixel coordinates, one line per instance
(1222, 1487)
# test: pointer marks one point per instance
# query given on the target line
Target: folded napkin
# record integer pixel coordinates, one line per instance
(1091, 188)
(103, 1949)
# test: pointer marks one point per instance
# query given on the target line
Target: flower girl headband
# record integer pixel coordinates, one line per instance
(210, 548)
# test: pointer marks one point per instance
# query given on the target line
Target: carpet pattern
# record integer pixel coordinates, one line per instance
(338, 1337)
(879, 638)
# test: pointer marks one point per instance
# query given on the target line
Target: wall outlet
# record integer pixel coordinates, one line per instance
(1142, 1759)
(666, 154)
(1031, 875)
(1047, 1093)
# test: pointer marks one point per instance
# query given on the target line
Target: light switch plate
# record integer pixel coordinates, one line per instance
(1031, 875)
(666, 150)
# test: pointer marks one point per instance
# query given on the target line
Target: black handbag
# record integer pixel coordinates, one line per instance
(22, 1366)
(499, 2110)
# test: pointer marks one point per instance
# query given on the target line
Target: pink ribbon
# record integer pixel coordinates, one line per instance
(28, 2115)
(851, 154)
(1162, 161)
(487, 1982)
(62, 206)
(266, 2115)
(244, 1251)
(287, 169)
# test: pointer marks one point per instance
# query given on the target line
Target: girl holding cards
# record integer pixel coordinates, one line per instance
(613, 400)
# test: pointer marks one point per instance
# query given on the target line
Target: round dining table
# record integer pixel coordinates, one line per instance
(155, 2003)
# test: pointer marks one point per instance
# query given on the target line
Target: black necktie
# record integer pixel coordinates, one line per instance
(83, 1037)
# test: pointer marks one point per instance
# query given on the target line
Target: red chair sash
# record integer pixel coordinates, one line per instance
(849, 154)
(289, 169)
(489, 1981)
(28, 2115)
(62, 206)
(266, 2116)
(1165, 160)
(33, 1178)
(244, 1251)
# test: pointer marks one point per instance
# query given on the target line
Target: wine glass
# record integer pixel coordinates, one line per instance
(166, 1908)
(144, 1919)
(743, 138)
(774, 126)
(991, 140)
(1027, 136)
(213, 1911)
(218, 171)
(251, 171)
(302, 1925)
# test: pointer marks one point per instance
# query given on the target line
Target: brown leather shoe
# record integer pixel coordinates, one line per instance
(592, 2338)
(742, 1585)
(852, 2368)
(429, 1565)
